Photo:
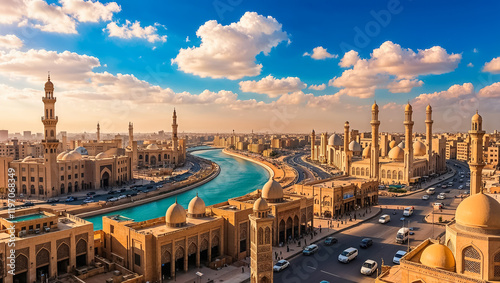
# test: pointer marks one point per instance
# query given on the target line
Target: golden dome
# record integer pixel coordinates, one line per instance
(196, 207)
(396, 153)
(272, 191)
(367, 152)
(260, 205)
(176, 215)
(479, 211)
(438, 256)
(375, 106)
(419, 148)
(408, 107)
(354, 146)
(477, 118)
(392, 144)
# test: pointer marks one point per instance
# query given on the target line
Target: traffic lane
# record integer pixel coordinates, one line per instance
(301, 173)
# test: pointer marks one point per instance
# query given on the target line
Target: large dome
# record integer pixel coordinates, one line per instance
(367, 151)
(61, 155)
(419, 148)
(101, 155)
(196, 207)
(392, 144)
(82, 150)
(479, 211)
(176, 215)
(272, 191)
(260, 205)
(438, 256)
(402, 144)
(152, 146)
(354, 146)
(335, 140)
(71, 156)
(396, 153)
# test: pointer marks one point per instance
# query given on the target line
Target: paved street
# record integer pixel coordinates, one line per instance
(324, 264)
(305, 170)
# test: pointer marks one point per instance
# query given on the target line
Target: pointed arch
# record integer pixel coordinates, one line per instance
(260, 236)
(471, 260)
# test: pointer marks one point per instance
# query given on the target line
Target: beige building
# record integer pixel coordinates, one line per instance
(48, 244)
(261, 259)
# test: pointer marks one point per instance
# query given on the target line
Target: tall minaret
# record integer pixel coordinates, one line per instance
(261, 250)
(50, 142)
(174, 132)
(98, 133)
(347, 153)
(130, 134)
(408, 165)
(374, 154)
(323, 144)
(428, 135)
(476, 163)
(313, 145)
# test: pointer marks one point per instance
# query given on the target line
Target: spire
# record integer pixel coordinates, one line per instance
(48, 76)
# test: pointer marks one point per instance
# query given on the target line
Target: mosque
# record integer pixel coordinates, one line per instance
(384, 160)
(471, 249)
(215, 235)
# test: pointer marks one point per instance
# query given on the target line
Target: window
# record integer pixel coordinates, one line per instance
(472, 260)
(82, 175)
(32, 179)
(23, 169)
(32, 169)
(82, 166)
(62, 168)
(62, 178)
(76, 176)
(69, 177)
(243, 245)
(23, 178)
(69, 167)
(40, 179)
(76, 166)
(111, 228)
(137, 259)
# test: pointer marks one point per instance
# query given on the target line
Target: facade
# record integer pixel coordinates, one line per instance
(47, 244)
(261, 258)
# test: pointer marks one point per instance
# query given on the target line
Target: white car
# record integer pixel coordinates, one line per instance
(425, 197)
(281, 265)
(461, 187)
(89, 200)
(122, 196)
(369, 267)
(348, 255)
(441, 196)
(112, 199)
(397, 257)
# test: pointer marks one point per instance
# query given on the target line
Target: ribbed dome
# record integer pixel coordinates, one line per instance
(76, 154)
(396, 153)
(196, 207)
(354, 146)
(408, 107)
(61, 155)
(260, 205)
(477, 118)
(272, 191)
(438, 256)
(419, 148)
(335, 140)
(176, 215)
(71, 156)
(101, 155)
(479, 211)
(392, 144)
(367, 151)
(27, 158)
(49, 85)
(152, 146)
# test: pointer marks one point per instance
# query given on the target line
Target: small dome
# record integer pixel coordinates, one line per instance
(260, 205)
(71, 156)
(392, 144)
(408, 107)
(27, 158)
(335, 140)
(429, 108)
(76, 154)
(82, 150)
(375, 106)
(367, 151)
(152, 146)
(101, 155)
(438, 256)
(354, 146)
(479, 211)
(196, 207)
(477, 118)
(61, 155)
(272, 191)
(419, 148)
(176, 215)
(49, 85)
(396, 153)
(402, 145)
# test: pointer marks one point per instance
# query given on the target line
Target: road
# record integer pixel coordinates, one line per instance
(324, 264)
(302, 172)
(305, 170)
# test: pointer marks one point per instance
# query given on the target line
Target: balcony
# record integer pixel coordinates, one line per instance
(56, 119)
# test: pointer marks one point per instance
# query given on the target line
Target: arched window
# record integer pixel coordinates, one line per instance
(389, 174)
(260, 237)
(24, 190)
(394, 174)
(159, 157)
(50, 113)
(496, 262)
(353, 171)
(164, 156)
(383, 173)
(52, 133)
(400, 175)
(62, 189)
(362, 171)
(40, 190)
(32, 190)
(146, 158)
(471, 260)
(140, 156)
(358, 172)
(46, 113)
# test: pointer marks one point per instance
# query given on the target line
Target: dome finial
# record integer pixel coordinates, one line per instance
(48, 75)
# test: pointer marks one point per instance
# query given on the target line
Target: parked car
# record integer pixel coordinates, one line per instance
(330, 241)
(90, 193)
(133, 194)
(309, 250)
(122, 190)
(366, 243)
(52, 200)
(88, 200)
(28, 203)
(425, 197)
(113, 199)
(348, 255)
(70, 199)
(281, 265)
(122, 196)
(369, 267)
(397, 257)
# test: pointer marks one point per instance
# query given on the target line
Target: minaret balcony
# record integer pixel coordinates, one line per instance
(50, 119)
(49, 99)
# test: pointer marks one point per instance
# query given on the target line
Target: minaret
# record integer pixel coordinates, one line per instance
(428, 135)
(408, 172)
(130, 134)
(374, 154)
(261, 250)
(175, 140)
(50, 142)
(323, 144)
(313, 145)
(476, 163)
(98, 133)
(347, 153)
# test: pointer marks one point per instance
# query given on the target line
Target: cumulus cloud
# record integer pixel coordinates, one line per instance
(455, 92)
(320, 53)
(391, 106)
(491, 91)
(493, 66)
(229, 51)
(318, 87)
(12, 11)
(391, 67)
(49, 18)
(273, 87)
(10, 41)
(134, 30)
(470, 65)
(90, 11)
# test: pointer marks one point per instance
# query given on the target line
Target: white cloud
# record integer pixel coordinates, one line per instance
(134, 30)
(49, 18)
(90, 11)
(318, 87)
(229, 51)
(187, 39)
(10, 41)
(475, 50)
(491, 91)
(455, 92)
(320, 53)
(470, 65)
(391, 106)
(12, 11)
(493, 66)
(273, 87)
(324, 101)
(391, 67)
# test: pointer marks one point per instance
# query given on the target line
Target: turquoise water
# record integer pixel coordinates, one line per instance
(28, 217)
(237, 177)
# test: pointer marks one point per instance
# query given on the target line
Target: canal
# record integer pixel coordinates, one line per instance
(237, 177)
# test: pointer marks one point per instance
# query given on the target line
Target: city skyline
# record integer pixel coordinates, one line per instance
(305, 66)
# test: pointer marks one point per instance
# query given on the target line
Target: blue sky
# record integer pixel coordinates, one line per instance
(255, 66)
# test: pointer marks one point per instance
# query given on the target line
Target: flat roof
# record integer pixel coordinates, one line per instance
(160, 228)
(344, 181)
